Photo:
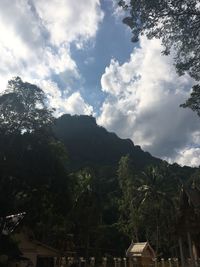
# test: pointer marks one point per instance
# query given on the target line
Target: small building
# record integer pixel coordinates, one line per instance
(140, 254)
(35, 253)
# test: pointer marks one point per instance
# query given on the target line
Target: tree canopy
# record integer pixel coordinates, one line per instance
(78, 180)
(23, 107)
(177, 24)
(193, 102)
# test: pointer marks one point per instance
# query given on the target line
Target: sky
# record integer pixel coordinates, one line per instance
(80, 53)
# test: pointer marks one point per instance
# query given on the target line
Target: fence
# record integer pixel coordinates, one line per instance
(121, 262)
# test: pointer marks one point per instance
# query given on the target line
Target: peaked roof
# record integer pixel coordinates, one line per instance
(137, 249)
(26, 244)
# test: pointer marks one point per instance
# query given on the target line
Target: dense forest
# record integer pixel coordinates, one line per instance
(76, 180)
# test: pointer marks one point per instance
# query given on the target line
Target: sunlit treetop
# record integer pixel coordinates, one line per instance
(23, 108)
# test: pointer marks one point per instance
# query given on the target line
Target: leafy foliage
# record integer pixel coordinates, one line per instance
(148, 203)
(193, 102)
(175, 22)
(33, 169)
(73, 178)
(23, 107)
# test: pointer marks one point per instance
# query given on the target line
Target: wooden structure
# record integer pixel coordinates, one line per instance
(35, 253)
(140, 255)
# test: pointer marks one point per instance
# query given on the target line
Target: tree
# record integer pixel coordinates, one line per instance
(154, 196)
(129, 217)
(193, 102)
(33, 163)
(23, 107)
(175, 22)
(147, 204)
(86, 212)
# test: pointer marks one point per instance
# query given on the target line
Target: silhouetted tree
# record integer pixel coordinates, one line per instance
(23, 108)
(176, 23)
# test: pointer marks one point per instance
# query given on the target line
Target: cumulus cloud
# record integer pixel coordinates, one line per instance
(75, 104)
(68, 20)
(188, 156)
(64, 102)
(36, 36)
(143, 98)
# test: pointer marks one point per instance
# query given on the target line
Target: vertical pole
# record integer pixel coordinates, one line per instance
(194, 251)
(170, 262)
(81, 260)
(190, 248)
(92, 261)
(119, 262)
(63, 261)
(125, 262)
(176, 261)
(115, 261)
(55, 261)
(104, 260)
(181, 252)
(156, 262)
(189, 262)
(162, 262)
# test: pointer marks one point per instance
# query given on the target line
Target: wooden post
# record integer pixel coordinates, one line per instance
(156, 262)
(63, 262)
(115, 261)
(190, 249)
(194, 251)
(125, 262)
(176, 261)
(162, 262)
(104, 260)
(82, 260)
(189, 262)
(92, 261)
(69, 261)
(119, 262)
(170, 262)
(55, 261)
(181, 252)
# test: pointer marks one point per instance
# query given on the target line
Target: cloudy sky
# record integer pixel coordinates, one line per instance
(80, 54)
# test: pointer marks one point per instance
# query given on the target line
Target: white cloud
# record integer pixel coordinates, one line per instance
(69, 21)
(189, 156)
(36, 36)
(143, 101)
(75, 104)
(118, 11)
(64, 102)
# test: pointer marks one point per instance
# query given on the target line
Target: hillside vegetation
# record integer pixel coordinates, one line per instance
(77, 181)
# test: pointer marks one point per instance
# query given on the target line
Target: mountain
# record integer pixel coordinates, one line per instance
(88, 143)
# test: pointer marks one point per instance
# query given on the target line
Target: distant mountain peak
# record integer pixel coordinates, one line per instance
(88, 142)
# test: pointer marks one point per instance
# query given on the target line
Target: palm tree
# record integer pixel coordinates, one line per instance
(154, 199)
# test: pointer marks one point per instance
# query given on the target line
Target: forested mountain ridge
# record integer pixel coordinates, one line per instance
(88, 143)
(74, 178)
